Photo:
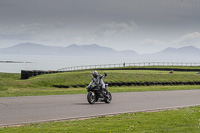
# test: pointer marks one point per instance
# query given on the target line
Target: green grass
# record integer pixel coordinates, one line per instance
(180, 120)
(184, 120)
(38, 91)
(151, 88)
(12, 85)
(84, 77)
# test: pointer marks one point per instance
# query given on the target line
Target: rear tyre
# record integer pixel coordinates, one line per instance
(91, 97)
(109, 98)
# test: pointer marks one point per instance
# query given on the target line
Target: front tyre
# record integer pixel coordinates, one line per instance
(91, 97)
(109, 98)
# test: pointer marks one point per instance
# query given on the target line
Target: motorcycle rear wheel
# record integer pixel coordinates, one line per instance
(91, 97)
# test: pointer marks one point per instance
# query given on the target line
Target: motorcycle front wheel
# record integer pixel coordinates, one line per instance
(91, 97)
(109, 98)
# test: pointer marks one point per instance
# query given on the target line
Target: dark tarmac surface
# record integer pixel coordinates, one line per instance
(30, 109)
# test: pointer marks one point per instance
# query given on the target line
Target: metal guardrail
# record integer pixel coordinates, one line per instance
(74, 68)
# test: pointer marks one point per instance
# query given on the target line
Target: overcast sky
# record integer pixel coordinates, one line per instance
(144, 26)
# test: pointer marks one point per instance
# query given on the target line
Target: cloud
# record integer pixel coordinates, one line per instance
(20, 31)
(185, 40)
(188, 39)
(155, 45)
(154, 42)
(33, 31)
(151, 46)
(113, 28)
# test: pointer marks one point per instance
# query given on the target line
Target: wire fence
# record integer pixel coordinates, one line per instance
(74, 68)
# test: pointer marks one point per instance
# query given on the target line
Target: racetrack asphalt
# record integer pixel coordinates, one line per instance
(30, 109)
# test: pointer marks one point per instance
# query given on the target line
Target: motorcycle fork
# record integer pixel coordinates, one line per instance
(96, 98)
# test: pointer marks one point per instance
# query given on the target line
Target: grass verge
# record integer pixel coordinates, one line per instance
(12, 92)
(183, 120)
(11, 84)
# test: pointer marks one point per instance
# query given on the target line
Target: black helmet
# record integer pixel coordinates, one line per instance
(95, 74)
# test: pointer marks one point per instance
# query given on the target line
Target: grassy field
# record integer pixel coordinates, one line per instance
(12, 85)
(178, 120)
(184, 120)
(32, 91)
(84, 77)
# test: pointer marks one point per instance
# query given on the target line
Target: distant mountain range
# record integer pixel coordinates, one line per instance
(94, 50)
(187, 50)
(71, 50)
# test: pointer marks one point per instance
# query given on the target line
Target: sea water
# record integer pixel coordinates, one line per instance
(16, 63)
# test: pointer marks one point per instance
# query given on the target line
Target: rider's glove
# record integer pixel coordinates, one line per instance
(105, 74)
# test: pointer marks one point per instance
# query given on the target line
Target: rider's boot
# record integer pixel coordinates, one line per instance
(106, 94)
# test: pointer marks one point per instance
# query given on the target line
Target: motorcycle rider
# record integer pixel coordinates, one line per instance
(97, 81)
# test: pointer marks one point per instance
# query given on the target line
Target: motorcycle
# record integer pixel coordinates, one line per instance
(98, 94)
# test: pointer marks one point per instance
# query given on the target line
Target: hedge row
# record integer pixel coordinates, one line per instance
(135, 84)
